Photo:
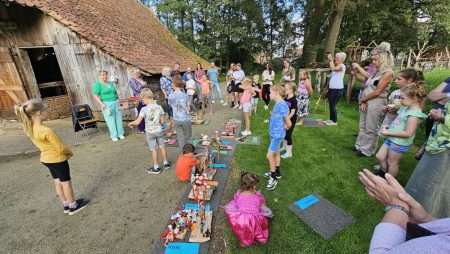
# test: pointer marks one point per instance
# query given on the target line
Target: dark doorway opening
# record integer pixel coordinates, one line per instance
(47, 72)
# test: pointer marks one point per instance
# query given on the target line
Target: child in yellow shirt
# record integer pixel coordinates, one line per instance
(54, 154)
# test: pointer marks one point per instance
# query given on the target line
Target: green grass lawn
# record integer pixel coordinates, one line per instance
(323, 163)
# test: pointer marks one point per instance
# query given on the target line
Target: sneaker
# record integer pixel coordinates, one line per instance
(272, 184)
(236, 106)
(213, 102)
(278, 175)
(66, 209)
(286, 155)
(122, 137)
(266, 107)
(331, 123)
(167, 165)
(154, 171)
(225, 103)
(81, 204)
(115, 139)
(240, 107)
(246, 133)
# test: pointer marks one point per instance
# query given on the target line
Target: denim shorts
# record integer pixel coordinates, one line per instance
(155, 140)
(275, 144)
(396, 148)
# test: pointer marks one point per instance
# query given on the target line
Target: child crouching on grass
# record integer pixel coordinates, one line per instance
(186, 162)
(248, 214)
(279, 122)
(401, 132)
(153, 115)
(54, 154)
(246, 102)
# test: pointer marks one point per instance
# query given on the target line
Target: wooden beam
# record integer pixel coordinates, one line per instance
(10, 93)
(11, 88)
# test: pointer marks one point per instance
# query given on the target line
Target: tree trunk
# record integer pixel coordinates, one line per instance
(333, 31)
(315, 10)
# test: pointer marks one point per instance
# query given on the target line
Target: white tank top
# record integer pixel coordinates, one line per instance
(337, 78)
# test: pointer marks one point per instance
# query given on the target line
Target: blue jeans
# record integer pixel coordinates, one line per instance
(217, 93)
(333, 99)
(113, 119)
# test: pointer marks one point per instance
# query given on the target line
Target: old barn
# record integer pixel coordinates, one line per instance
(54, 49)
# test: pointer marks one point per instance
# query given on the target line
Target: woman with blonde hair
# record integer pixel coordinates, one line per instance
(54, 154)
(374, 98)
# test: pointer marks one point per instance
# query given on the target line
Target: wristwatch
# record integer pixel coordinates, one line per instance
(398, 207)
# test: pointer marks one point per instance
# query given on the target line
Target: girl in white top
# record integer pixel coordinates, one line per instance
(268, 76)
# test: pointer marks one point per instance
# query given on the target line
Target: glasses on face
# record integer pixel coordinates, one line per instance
(401, 97)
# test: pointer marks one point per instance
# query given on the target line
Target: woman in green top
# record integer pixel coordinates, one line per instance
(430, 182)
(401, 132)
(105, 94)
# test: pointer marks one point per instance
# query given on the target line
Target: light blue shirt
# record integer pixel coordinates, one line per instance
(276, 125)
(213, 74)
(179, 102)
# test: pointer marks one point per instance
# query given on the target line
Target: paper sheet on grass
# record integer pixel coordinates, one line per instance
(321, 215)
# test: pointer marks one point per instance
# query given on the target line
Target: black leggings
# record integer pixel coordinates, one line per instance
(266, 94)
(290, 131)
(333, 99)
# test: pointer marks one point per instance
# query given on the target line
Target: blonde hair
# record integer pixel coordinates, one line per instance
(293, 87)
(25, 111)
(146, 93)
(166, 71)
(256, 78)
(341, 55)
(278, 89)
(247, 82)
(415, 91)
(386, 57)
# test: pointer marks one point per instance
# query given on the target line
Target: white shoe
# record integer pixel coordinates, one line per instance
(272, 184)
(236, 106)
(266, 107)
(122, 137)
(286, 155)
(225, 103)
(213, 102)
(240, 107)
(115, 139)
(246, 133)
(331, 123)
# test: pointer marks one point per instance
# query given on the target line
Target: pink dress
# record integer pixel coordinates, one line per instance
(246, 218)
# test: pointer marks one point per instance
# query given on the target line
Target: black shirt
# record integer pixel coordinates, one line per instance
(292, 103)
(254, 85)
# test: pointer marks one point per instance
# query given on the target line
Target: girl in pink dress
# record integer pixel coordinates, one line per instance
(247, 213)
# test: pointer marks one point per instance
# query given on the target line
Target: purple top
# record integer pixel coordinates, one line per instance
(389, 238)
(136, 86)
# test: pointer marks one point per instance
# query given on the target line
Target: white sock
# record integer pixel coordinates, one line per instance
(73, 204)
(155, 166)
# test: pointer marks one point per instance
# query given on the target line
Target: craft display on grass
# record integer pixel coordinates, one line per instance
(231, 129)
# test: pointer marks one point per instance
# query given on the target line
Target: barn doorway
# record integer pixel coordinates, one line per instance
(50, 81)
(47, 72)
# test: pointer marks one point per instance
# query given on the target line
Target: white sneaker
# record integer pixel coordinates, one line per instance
(246, 133)
(331, 123)
(272, 184)
(266, 107)
(236, 106)
(122, 137)
(286, 155)
(115, 139)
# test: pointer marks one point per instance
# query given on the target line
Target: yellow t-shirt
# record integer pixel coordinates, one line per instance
(50, 145)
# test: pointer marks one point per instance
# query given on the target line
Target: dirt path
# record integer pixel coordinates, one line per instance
(128, 207)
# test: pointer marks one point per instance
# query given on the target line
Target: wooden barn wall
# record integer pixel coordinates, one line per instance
(79, 60)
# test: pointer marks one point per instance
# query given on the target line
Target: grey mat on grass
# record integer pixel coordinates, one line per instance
(324, 217)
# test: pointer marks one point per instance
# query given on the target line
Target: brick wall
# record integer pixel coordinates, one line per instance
(58, 106)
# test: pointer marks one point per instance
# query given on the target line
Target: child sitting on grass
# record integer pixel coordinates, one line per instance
(246, 103)
(248, 214)
(401, 132)
(186, 162)
(153, 115)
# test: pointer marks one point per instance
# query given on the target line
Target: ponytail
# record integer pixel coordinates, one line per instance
(24, 113)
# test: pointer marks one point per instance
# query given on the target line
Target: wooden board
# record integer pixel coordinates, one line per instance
(210, 193)
(197, 236)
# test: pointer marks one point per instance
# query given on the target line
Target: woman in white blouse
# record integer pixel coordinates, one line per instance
(268, 76)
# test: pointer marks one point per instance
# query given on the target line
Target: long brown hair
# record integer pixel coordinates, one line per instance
(25, 111)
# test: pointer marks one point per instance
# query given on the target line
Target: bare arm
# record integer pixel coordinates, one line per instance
(360, 70)
(436, 94)
(99, 101)
(382, 84)
(309, 87)
(409, 132)
(287, 122)
(136, 122)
